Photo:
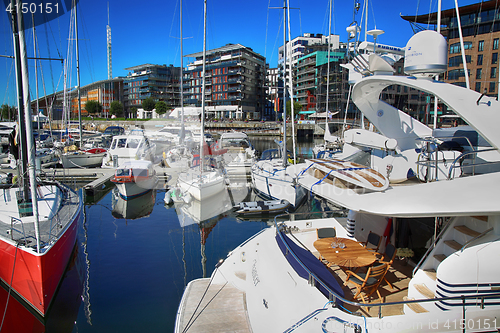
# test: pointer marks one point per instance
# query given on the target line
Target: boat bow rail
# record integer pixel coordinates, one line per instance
(51, 227)
(336, 298)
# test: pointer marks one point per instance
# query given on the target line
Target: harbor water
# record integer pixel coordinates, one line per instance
(133, 260)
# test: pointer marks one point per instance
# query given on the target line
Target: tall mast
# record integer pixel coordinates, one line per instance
(25, 125)
(291, 91)
(284, 85)
(78, 78)
(202, 120)
(328, 69)
(183, 134)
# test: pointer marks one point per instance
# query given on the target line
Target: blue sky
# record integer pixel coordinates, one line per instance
(147, 31)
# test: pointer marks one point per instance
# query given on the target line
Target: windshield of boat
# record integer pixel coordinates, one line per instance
(133, 143)
(122, 172)
(235, 142)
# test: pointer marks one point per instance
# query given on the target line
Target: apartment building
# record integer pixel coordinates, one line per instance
(160, 82)
(235, 82)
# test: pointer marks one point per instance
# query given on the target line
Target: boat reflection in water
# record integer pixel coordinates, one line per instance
(131, 209)
(61, 316)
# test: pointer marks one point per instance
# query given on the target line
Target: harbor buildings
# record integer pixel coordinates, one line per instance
(159, 82)
(235, 82)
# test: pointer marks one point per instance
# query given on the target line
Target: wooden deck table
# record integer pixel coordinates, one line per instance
(352, 255)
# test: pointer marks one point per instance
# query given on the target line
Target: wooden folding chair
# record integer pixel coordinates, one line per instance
(368, 282)
(326, 232)
(372, 242)
(388, 258)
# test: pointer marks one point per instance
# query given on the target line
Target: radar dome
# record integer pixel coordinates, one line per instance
(426, 53)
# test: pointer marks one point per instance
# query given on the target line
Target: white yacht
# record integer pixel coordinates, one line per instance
(134, 146)
(275, 281)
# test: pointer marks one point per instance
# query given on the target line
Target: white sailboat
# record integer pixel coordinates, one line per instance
(456, 280)
(272, 179)
(202, 181)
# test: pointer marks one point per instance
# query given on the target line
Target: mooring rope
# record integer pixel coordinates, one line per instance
(10, 288)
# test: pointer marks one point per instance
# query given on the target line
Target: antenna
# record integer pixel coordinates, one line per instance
(108, 44)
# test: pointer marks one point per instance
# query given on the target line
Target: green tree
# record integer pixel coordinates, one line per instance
(116, 108)
(161, 107)
(133, 112)
(297, 107)
(148, 104)
(8, 112)
(93, 107)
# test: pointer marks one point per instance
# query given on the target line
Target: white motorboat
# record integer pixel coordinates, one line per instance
(128, 147)
(138, 207)
(134, 178)
(72, 157)
(457, 280)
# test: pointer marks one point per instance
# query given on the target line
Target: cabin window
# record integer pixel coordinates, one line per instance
(139, 172)
(122, 143)
(122, 172)
(133, 143)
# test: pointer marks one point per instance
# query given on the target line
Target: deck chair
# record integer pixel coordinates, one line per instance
(326, 232)
(388, 258)
(368, 282)
(372, 242)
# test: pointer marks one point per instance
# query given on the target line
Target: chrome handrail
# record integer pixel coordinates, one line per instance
(334, 295)
(474, 164)
(475, 238)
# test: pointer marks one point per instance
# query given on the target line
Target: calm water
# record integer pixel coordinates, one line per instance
(133, 260)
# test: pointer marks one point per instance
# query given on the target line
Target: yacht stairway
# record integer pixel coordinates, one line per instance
(460, 234)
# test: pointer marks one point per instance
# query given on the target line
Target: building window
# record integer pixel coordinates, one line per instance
(493, 73)
(457, 60)
(479, 73)
(492, 87)
(480, 46)
(455, 48)
(479, 59)
(494, 58)
(495, 44)
(478, 87)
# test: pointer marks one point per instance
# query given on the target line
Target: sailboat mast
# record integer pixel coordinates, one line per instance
(328, 69)
(181, 82)
(292, 117)
(202, 120)
(78, 77)
(284, 85)
(27, 141)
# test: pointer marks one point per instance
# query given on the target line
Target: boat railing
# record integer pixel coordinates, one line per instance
(475, 238)
(334, 297)
(454, 165)
(431, 247)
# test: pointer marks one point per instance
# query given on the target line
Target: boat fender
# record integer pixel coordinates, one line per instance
(187, 198)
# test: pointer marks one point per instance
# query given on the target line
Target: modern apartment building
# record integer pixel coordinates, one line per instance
(480, 24)
(311, 81)
(235, 82)
(274, 92)
(160, 82)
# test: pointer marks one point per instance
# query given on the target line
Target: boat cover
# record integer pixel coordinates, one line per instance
(312, 263)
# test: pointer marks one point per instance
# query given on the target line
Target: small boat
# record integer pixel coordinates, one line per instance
(134, 146)
(135, 178)
(262, 207)
(72, 157)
